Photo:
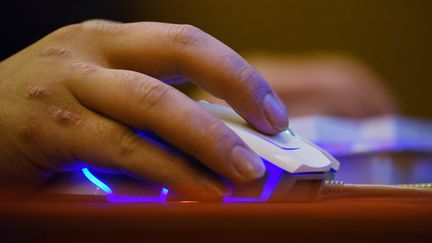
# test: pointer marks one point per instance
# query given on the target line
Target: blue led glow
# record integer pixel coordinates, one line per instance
(96, 181)
(146, 199)
(124, 198)
(274, 173)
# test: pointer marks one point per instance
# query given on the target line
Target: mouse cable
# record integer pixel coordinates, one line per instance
(340, 189)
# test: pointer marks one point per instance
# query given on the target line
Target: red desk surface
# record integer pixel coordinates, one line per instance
(344, 219)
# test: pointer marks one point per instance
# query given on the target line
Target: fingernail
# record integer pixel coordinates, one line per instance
(247, 163)
(275, 112)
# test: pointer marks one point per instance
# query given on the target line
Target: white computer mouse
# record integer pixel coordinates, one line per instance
(286, 150)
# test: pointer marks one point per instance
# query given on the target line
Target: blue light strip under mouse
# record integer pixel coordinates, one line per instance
(274, 173)
(124, 198)
(96, 181)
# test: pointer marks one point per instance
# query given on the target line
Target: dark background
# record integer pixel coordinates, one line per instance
(393, 37)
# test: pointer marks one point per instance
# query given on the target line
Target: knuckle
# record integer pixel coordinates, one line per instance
(36, 92)
(67, 32)
(126, 142)
(55, 52)
(129, 78)
(217, 133)
(85, 68)
(187, 35)
(251, 82)
(247, 74)
(151, 93)
(105, 26)
(66, 117)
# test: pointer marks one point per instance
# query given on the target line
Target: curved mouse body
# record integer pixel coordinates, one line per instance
(286, 150)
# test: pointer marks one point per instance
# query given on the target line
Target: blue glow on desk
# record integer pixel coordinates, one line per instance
(145, 199)
(112, 197)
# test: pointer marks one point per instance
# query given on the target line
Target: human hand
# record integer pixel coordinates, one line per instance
(75, 96)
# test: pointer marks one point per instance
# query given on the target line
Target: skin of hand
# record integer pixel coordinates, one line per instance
(323, 84)
(73, 99)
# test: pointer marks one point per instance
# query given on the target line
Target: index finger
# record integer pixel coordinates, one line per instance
(168, 51)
